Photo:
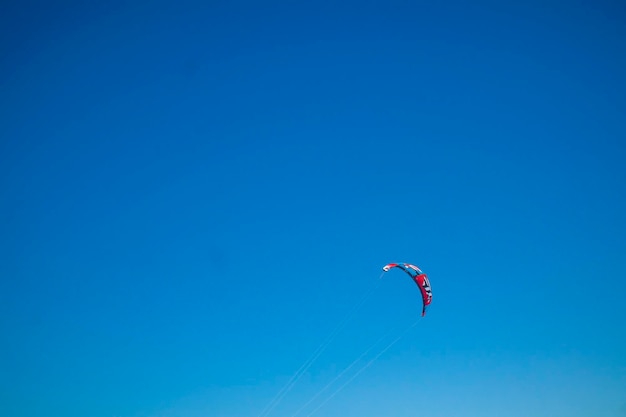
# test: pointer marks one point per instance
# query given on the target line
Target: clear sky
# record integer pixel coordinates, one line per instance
(193, 195)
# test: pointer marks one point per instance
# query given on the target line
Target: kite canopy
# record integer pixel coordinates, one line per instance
(419, 278)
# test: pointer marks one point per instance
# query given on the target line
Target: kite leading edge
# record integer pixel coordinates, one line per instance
(419, 278)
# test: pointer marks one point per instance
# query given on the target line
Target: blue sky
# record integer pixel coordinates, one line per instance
(194, 195)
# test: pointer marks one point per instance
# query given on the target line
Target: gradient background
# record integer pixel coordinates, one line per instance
(194, 194)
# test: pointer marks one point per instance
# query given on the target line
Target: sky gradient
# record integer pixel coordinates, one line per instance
(193, 195)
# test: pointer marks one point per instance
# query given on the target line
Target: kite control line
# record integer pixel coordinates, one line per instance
(321, 348)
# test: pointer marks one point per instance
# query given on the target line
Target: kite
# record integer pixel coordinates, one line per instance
(420, 279)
